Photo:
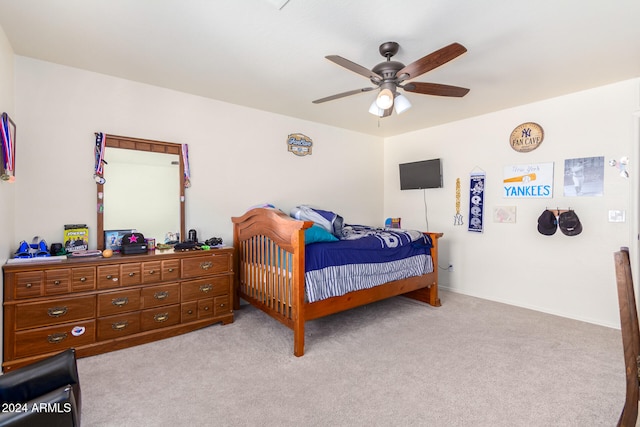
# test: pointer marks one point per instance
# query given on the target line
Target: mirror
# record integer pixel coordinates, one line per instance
(143, 188)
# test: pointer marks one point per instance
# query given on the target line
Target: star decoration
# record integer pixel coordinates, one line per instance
(133, 239)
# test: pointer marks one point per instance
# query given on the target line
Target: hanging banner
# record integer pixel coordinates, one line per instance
(476, 202)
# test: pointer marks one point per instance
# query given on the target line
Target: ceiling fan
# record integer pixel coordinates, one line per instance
(390, 75)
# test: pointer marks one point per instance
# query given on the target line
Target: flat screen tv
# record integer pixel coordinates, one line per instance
(420, 175)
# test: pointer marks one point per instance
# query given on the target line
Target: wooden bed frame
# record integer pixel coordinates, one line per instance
(269, 270)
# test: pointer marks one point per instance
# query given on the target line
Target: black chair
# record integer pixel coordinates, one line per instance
(630, 336)
(45, 393)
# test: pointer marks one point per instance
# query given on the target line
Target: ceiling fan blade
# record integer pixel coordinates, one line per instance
(435, 89)
(352, 66)
(431, 61)
(343, 94)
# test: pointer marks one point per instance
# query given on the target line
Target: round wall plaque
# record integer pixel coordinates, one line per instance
(526, 137)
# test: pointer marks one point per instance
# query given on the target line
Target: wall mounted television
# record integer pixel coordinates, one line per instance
(421, 175)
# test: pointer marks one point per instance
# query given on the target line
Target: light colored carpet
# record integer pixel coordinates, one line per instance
(398, 362)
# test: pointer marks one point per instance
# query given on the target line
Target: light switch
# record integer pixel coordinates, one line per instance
(616, 216)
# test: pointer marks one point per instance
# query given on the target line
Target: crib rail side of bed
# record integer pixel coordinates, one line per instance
(270, 263)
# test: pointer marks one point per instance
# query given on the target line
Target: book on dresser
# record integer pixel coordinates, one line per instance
(98, 305)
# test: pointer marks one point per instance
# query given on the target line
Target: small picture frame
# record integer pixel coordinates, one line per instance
(113, 239)
(8, 148)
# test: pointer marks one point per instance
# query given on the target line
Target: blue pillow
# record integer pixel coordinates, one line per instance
(316, 234)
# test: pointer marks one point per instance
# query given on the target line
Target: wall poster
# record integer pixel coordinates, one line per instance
(584, 176)
(533, 180)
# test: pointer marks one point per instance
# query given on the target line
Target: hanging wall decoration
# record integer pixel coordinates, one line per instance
(526, 137)
(528, 181)
(8, 152)
(457, 218)
(299, 144)
(476, 202)
(621, 166)
(187, 168)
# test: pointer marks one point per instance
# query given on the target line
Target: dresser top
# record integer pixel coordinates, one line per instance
(157, 255)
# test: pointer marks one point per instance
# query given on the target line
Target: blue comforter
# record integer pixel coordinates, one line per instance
(364, 257)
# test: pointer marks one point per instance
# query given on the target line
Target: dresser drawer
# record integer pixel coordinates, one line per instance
(54, 338)
(83, 279)
(155, 296)
(170, 269)
(31, 315)
(118, 326)
(29, 284)
(131, 274)
(160, 317)
(108, 276)
(57, 281)
(212, 263)
(189, 311)
(151, 271)
(221, 305)
(118, 302)
(205, 288)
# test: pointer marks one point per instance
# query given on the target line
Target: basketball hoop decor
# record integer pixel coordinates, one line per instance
(299, 144)
(526, 137)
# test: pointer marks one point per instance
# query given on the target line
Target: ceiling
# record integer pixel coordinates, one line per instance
(269, 54)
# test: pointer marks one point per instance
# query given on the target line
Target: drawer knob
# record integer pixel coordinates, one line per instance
(161, 295)
(206, 288)
(190, 312)
(171, 270)
(221, 305)
(120, 302)
(206, 308)
(57, 311)
(118, 326)
(28, 285)
(56, 338)
(111, 277)
(83, 279)
(57, 282)
(132, 274)
(161, 317)
(205, 265)
(152, 272)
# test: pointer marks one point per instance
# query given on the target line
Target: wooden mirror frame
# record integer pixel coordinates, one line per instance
(138, 144)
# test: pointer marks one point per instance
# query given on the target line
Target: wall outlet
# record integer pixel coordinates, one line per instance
(451, 267)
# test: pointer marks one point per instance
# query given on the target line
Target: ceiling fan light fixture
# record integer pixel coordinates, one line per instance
(385, 99)
(401, 104)
(375, 110)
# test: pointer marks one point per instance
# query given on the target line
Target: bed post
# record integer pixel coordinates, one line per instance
(236, 268)
(298, 293)
(429, 294)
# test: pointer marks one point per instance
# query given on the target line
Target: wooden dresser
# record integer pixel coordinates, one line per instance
(103, 304)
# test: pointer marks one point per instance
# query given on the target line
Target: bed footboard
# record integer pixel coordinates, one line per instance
(269, 260)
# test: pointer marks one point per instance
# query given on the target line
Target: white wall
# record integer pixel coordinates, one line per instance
(7, 190)
(6, 105)
(238, 155)
(513, 263)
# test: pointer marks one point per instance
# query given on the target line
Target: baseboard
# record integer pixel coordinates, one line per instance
(528, 307)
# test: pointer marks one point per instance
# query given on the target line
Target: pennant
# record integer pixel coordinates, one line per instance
(476, 202)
